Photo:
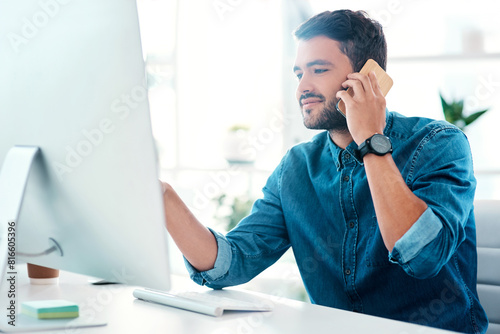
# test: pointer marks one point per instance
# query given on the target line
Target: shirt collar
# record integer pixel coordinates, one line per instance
(337, 153)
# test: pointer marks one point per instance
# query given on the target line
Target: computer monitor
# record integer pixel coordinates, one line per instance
(72, 83)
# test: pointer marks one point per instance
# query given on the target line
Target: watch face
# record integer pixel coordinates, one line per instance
(380, 144)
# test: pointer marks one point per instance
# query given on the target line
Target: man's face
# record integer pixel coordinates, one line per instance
(321, 69)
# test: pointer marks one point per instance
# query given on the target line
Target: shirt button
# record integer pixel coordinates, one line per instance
(347, 271)
(346, 178)
(347, 156)
(351, 224)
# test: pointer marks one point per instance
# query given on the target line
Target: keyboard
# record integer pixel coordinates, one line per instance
(200, 302)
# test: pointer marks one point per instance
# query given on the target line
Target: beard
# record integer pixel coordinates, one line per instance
(329, 118)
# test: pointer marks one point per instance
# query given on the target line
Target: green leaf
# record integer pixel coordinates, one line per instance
(452, 111)
(471, 118)
(443, 102)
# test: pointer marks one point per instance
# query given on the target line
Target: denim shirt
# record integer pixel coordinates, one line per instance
(318, 202)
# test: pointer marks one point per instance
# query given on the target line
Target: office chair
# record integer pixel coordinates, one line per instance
(487, 214)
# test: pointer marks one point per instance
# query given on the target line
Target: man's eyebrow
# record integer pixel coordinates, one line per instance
(319, 62)
(313, 63)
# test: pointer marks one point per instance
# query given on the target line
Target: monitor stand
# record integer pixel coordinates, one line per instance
(13, 178)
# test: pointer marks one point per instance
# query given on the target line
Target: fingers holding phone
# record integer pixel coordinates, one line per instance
(363, 101)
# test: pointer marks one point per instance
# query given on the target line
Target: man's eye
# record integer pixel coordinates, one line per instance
(299, 76)
(320, 70)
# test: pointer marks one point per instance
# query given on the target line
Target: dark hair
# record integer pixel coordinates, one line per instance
(360, 37)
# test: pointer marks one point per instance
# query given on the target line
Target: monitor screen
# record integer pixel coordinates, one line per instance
(72, 83)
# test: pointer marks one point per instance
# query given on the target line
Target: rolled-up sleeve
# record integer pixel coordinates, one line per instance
(409, 250)
(221, 266)
(442, 176)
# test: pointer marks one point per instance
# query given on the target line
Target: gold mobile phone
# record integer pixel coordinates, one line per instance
(384, 81)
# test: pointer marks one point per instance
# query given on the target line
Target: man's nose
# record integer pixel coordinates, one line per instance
(305, 85)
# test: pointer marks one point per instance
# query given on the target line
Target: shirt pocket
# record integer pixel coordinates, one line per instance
(377, 254)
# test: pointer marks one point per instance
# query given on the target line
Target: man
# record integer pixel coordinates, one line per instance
(385, 229)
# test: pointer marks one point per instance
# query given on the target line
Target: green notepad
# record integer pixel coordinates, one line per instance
(50, 309)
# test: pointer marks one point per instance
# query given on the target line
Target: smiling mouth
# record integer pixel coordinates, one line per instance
(311, 101)
(307, 104)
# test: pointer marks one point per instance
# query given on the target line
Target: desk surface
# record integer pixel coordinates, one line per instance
(115, 305)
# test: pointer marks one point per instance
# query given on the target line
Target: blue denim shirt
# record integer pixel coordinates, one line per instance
(318, 202)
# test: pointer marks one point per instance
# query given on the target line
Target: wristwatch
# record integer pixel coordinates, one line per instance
(377, 144)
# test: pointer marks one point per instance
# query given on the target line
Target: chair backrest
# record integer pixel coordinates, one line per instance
(487, 213)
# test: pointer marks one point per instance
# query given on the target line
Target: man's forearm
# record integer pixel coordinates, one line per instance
(194, 240)
(396, 207)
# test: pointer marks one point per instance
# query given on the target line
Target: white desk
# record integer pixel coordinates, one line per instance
(123, 313)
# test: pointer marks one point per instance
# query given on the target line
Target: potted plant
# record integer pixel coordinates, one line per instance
(454, 113)
(237, 148)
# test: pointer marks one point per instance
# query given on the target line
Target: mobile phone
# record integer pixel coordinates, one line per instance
(384, 80)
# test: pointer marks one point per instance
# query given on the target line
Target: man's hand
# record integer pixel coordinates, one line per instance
(365, 111)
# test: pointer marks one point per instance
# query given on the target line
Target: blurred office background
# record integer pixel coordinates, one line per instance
(222, 92)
